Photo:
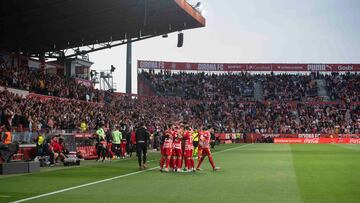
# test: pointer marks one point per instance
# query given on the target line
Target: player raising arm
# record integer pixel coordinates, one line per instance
(204, 143)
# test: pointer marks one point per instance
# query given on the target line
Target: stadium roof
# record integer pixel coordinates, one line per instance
(36, 26)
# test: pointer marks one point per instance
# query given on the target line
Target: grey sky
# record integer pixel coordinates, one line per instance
(273, 31)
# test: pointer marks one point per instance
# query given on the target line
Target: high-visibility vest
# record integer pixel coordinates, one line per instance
(40, 140)
(101, 134)
(8, 138)
(117, 136)
(195, 137)
(83, 126)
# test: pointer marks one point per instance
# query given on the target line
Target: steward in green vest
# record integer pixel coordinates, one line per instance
(101, 145)
(100, 134)
(117, 136)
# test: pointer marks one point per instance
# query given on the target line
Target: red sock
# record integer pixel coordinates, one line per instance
(179, 162)
(192, 163)
(188, 164)
(200, 161)
(211, 161)
(171, 162)
(174, 163)
(167, 163)
(162, 161)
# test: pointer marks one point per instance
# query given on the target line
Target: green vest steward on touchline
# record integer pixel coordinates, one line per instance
(101, 134)
(117, 136)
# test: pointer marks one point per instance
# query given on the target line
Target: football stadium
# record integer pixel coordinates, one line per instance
(231, 101)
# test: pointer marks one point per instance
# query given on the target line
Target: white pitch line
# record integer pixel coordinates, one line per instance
(232, 148)
(105, 180)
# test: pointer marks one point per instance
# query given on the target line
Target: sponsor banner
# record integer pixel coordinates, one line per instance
(307, 138)
(227, 136)
(317, 140)
(289, 140)
(83, 135)
(184, 66)
(86, 83)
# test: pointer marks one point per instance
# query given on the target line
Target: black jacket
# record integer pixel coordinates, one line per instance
(142, 135)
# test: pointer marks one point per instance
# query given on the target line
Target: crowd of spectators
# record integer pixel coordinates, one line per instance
(199, 86)
(157, 112)
(40, 82)
(223, 101)
(343, 87)
(203, 86)
(288, 87)
(240, 86)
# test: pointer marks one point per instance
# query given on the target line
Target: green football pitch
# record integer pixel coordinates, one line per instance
(250, 173)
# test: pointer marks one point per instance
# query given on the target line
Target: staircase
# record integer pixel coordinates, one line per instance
(258, 92)
(322, 90)
(145, 88)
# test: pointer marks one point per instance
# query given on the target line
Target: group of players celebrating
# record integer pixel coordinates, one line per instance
(177, 146)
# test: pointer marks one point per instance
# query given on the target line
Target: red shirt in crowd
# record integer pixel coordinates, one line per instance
(56, 146)
(133, 141)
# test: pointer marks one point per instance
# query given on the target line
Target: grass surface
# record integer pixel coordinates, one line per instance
(250, 173)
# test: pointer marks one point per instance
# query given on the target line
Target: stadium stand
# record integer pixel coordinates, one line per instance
(204, 86)
(47, 84)
(290, 104)
(34, 100)
(343, 87)
(225, 115)
(289, 87)
(240, 86)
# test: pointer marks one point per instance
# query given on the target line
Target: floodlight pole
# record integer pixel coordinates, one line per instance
(128, 68)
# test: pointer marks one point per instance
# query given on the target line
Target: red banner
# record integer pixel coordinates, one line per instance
(226, 136)
(311, 135)
(280, 67)
(317, 140)
(88, 152)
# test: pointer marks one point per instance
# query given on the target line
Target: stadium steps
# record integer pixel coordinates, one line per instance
(322, 90)
(143, 81)
(258, 92)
